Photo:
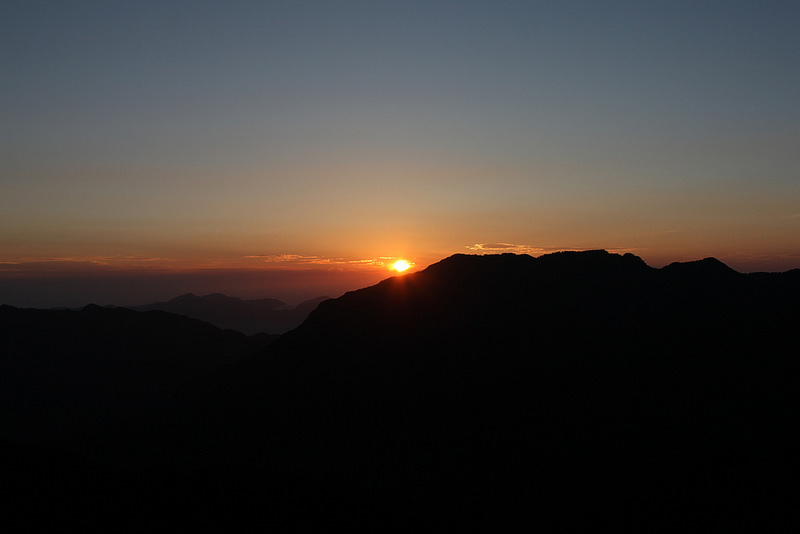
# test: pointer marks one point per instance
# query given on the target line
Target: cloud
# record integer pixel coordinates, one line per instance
(284, 258)
(287, 260)
(95, 260)
(82, 264)
(498, 245)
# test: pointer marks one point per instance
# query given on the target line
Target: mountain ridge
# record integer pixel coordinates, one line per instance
(623, 282)
(581, 389)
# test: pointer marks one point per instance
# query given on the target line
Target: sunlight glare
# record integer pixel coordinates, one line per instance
(401, 265)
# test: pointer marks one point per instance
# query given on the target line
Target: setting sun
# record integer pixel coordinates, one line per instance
(401, 265)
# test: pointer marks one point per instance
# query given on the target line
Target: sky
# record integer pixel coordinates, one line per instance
(274, 143)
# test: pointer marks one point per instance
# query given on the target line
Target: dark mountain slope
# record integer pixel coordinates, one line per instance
(586, 388)
(469, 299)
(559, 300)
(64, 371)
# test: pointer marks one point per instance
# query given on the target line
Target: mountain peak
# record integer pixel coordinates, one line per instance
(705, 267)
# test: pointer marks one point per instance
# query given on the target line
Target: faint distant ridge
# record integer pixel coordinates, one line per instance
(219, 298)
(268, 315)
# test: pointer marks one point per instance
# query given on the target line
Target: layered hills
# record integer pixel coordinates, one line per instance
(270, 316)
(573, 390)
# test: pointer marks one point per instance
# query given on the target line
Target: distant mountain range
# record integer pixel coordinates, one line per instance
(270, 316)
(577, 390)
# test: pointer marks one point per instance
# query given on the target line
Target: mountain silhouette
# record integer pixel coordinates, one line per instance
(587, 386)
(270, 316)
(574, 390)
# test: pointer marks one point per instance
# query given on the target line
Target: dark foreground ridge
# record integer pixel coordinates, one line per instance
(574, 390)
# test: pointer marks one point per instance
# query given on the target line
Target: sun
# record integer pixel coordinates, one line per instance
(400, 265)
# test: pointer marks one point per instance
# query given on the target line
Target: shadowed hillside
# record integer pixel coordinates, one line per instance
(578, 389)
(65, 371)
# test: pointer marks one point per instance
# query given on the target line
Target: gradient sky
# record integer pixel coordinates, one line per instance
(173, 136)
